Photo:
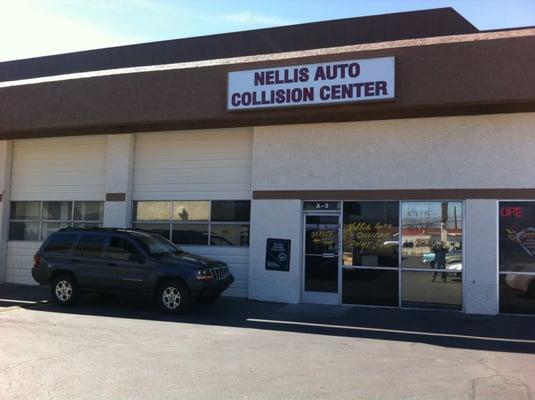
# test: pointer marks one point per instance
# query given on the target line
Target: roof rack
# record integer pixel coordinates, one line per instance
(96, 228)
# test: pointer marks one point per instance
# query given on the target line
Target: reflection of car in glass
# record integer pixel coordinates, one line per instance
(522, 283)
(191, 237)
(220, 241)
(454, 255)
(455, 267)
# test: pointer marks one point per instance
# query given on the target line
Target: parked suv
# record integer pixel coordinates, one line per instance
(109, 261)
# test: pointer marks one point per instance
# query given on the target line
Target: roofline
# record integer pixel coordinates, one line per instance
(307, 36)
(277, 57)
(247, 31)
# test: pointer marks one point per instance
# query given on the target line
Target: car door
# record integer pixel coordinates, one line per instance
(88, 259)
(125, 267)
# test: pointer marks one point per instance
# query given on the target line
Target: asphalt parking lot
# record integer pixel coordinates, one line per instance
(236, 349)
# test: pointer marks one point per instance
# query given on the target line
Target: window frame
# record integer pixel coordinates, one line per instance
(371, 267)
(107, 244)
(499, 273)
(209, 221)
(41, 221)
(399, 268)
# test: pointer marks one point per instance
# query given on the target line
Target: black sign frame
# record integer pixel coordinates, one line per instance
(278, 254)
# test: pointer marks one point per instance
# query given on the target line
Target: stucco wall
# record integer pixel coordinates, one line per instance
(486, 151)
(477, 152)
(481, 257)
(279, 219)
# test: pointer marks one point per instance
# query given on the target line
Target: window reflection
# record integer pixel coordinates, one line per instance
(321, 234)
(161, 229)
(229, 235)
(517, 236)
(432, 235)
(190, 210)
(425, 289)
(24, 231)
(194, 222)
(371, 233)
(88, 210)
(152, 210)
(231, 210)
(517, 293)
(190, 234)
(370, 286)
(25, 210)
(517, 257)
(57, 210)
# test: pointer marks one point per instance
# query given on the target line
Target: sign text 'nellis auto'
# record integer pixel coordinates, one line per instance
(333, 82)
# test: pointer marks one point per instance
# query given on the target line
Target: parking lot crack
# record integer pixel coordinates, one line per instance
(498, 382)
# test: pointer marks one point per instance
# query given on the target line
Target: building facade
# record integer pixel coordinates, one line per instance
(415, 191)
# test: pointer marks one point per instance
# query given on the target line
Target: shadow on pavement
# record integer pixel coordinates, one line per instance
(505, 333)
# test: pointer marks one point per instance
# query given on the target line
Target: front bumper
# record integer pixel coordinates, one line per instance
(211, 287)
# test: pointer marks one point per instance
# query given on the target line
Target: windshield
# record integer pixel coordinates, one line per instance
(156, 244)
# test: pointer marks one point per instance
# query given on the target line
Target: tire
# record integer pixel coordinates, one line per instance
(209, 299)
(174, 297)
(65, 290)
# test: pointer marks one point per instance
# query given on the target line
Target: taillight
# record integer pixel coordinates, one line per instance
(36, 260)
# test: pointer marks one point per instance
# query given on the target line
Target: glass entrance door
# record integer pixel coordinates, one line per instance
(321, 259)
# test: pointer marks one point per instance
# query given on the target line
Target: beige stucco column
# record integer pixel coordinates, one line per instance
(119, 172)
(6, 147)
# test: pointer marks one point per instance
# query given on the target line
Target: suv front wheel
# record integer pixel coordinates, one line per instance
(174, 297)
(64, 290)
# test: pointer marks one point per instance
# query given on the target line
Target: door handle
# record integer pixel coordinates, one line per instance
(328, 255)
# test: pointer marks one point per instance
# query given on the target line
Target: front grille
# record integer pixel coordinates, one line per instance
(220, 272)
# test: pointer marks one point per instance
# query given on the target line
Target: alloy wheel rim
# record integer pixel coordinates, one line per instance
(63, 290)
(171, 297)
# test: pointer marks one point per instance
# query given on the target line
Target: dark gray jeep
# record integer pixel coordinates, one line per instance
(127, 261)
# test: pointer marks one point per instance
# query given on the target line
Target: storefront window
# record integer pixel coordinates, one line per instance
(370, 273)
(371, 233)
(431, 254)
(189, 222)
(428, 289)
(517, 257)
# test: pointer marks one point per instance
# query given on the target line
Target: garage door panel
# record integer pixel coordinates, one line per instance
(67, 168)
(199, 165)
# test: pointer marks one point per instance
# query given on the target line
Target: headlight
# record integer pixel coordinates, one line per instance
(204, 274)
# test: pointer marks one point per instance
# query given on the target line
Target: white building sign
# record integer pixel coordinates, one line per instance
(300, 85)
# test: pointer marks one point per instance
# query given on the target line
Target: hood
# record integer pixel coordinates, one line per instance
(191, 259)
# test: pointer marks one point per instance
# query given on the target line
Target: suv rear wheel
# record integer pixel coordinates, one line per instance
(65, 290)
(174, 297)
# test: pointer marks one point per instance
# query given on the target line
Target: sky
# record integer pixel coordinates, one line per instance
(32, 28)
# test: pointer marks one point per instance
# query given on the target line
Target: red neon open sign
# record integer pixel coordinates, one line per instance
(516, 212)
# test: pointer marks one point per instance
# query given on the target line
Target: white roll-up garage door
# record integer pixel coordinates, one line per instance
(198, 165)
(70, 168)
